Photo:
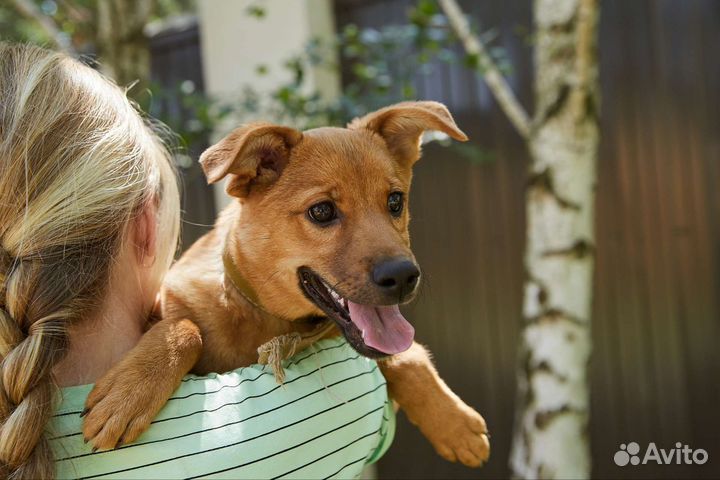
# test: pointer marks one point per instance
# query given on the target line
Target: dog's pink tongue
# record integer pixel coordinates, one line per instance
(383, 328)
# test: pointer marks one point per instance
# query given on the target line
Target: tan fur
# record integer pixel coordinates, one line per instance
(276, 174)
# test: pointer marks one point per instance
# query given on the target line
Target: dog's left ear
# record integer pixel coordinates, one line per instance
(253, 156)
(402, 125)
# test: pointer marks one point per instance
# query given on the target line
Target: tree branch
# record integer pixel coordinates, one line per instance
(495, 81)
(29, 10)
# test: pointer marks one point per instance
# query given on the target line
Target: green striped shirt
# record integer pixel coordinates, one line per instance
(330, 418)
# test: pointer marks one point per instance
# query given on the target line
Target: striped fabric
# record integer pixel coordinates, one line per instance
(329, 419)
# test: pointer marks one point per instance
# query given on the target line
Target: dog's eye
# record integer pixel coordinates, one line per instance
(395, 203)
(322, 212)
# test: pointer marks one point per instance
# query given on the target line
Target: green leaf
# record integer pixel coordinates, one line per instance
(256, 11)
(472, 152)
(471, 61)
(408, 91)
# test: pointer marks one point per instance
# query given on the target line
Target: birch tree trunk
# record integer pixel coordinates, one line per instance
(551, 427)
(121, 41)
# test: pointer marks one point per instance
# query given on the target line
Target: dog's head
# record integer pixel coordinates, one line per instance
(322, 227)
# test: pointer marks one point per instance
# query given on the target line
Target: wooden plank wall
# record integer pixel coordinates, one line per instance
(655, 366)
(176, 58)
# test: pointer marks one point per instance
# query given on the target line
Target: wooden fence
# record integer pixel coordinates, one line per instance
(176, 66)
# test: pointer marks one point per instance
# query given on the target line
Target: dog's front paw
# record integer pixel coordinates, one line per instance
(459, 434)
(122, 405)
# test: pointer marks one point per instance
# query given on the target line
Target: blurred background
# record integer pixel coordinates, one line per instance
(202, 67)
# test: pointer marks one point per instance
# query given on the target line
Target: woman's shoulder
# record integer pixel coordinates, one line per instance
(334, 354)
(332, 405)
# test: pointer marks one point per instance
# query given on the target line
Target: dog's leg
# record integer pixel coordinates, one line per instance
(456, 430)
(125, 400)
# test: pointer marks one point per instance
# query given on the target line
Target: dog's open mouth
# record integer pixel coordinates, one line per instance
(374, 331)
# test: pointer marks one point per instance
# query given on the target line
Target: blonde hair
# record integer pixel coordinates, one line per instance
(77, 163)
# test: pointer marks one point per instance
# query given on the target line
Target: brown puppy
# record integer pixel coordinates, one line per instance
(319, 229)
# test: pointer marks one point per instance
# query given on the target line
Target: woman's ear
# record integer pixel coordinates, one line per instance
(145, 233)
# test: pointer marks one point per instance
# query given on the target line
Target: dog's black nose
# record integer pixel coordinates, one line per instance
(396, 277)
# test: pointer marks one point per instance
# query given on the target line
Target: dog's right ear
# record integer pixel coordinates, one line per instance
(253, 155)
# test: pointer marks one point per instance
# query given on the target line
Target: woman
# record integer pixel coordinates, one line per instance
(89, 219)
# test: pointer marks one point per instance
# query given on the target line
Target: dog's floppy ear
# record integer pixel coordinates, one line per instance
(402, 125)
(252, 155)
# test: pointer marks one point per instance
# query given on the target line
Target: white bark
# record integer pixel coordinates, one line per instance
(551, 437)
(121, 41)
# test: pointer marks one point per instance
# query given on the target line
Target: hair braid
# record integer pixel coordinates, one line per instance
(31, 340)
(24, 397)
